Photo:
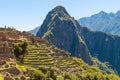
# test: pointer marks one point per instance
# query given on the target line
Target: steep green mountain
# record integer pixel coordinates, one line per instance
(102, 21)
(60, 29)
(105, 47)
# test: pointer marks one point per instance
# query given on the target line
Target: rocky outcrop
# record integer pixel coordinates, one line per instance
(104, 46)
(60, 29)
(13, 71)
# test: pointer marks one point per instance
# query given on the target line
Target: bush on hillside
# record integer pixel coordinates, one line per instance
(20, 49)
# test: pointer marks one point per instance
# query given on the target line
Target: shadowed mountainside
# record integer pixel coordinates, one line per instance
(105, 47)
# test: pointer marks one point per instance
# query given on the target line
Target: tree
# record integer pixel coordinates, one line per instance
(24, 47)
(17, 50)
(20, 49)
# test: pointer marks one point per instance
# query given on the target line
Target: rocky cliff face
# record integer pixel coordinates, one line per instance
(105, 47)
(61, 29)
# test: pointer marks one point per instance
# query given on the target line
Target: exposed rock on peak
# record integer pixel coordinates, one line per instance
(61, 29)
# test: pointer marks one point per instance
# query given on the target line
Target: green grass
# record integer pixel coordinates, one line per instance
(1, 77)
(21, 67)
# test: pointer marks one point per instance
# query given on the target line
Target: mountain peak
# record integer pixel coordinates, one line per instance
(59, 8)
(60, 12)
(103, 13)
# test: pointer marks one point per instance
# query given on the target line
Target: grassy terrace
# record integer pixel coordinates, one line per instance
(43, 56)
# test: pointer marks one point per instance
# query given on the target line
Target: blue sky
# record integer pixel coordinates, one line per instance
(28, 14)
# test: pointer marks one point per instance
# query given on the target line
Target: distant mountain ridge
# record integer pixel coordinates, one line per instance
(34, 31)
(106, 22)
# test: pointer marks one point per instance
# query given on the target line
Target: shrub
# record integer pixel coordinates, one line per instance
(2, 62)
(6, 65)
(43, 69)
(38, 75)
(70, 76)
(22, 78)
(60, 77)
(51, 74)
